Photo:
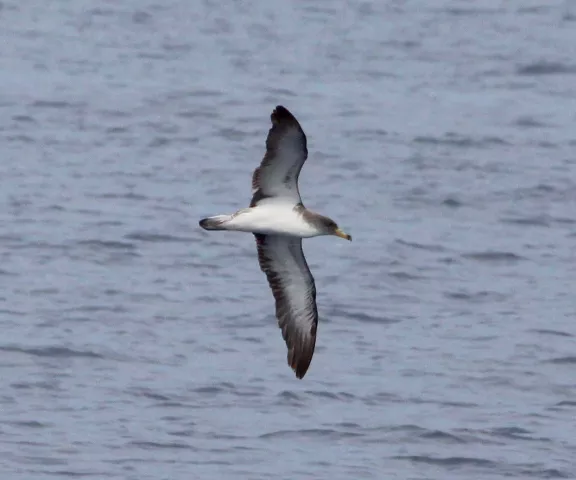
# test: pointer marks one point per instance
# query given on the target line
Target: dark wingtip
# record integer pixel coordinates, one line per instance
(281, 109)
(300, 374)
(281, 113)
(300, 366)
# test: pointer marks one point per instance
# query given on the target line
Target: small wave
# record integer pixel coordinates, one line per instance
(472, 11)
(198, 113)
(348, 425)
(494, 257)
(566, 403)
(421, 246)
(107, 244)
(330, 395)
(288, 398)
(23, 119)
(538, 472)
(405, 276)
(57, 104)
(452, 202)
(529, 122)
(448, 461)
(365, 318)
(545, 68)
(20, 138)
(157, 142)
(11, 238)
(28, 424)
(5, 311)
(311, 433)
(232, 134)
(146, 393)
(203, 93)
(156, 237)
(516, 433)
(53, 352)
(382, 398)
(117, 129)
(456, 140)
(99, 308)
(442, 436)
(544, 331)
(222, 387)
(44, 385)
(289, 395)
(72, 473)
(540, 190)
(247, 339)
(281, 92)
(532, 221)
(108, 223)
(476, 297)
(568, 360)
(367, 134)
(539, 220)
(162, 445)
(40, 245)
(182, 433)
(41, 460)
(564, 220)
(126, 195)
(176, 47)
(175, 404)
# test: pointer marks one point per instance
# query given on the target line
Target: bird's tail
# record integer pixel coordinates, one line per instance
(216, 222)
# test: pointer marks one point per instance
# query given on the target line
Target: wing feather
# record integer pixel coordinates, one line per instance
(286, 152)
(282, 260)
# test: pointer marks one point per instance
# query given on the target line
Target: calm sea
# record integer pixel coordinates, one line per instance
(442, 136)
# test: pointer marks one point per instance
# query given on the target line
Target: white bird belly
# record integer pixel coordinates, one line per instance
(272, 220)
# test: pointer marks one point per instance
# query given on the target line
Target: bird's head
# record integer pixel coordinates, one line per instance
(331, 228)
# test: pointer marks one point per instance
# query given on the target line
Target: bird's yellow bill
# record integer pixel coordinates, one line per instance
(341, 234)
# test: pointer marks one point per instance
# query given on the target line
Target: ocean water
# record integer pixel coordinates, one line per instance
(442, 136)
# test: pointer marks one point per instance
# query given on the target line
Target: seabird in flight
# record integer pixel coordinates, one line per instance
(279, 221)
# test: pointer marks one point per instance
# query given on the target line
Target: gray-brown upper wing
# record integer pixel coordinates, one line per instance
(286, 152)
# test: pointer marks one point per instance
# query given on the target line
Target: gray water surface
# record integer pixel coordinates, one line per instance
(135, 345)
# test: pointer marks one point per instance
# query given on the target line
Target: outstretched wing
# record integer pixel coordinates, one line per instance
(282, 260)
(286, 152)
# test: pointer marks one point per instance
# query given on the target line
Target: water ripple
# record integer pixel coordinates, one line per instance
(494, 257)
(51, 352)
(319, 433)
